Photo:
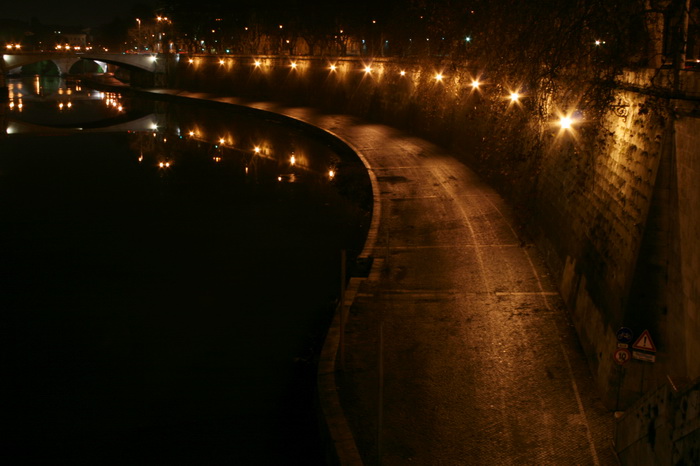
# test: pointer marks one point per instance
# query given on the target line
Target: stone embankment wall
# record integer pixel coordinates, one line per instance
(611, 203)
(662, 428)
(684, 276)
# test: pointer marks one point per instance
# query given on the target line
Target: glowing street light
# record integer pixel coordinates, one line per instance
(138, 44)
(402, 73)
(292, 160)
(514, 96)
(567, 122)
(368, 69)
(257, 63)
(332, 67)
(293, 65)
(256, 149)
(475, 83)
(438, 77)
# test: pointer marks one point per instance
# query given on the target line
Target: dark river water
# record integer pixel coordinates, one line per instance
(167, 274)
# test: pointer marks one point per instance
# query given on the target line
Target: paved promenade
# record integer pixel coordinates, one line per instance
(457, 349)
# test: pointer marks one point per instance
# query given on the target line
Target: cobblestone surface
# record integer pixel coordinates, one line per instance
(479, 363)
(458, 349)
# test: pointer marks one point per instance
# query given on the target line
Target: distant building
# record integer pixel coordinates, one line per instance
(73, 41)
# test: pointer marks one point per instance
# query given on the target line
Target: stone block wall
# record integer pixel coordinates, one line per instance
(684, 277)
(662, 428)
(601, 204)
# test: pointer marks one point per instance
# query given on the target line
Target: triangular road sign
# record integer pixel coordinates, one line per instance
(644, 342)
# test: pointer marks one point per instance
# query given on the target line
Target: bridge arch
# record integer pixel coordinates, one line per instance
(65, 64)
(145, 62)
(86, 65)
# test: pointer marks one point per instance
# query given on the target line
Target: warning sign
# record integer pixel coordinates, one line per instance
(644, 342)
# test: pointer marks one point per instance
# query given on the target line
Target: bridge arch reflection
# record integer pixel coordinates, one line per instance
(141, 123)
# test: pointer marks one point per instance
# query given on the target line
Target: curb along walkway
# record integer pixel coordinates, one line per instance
(457, 348)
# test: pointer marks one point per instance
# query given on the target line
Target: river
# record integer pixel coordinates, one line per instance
(168, 274)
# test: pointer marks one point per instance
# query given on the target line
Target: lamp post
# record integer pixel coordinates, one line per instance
(138, 41)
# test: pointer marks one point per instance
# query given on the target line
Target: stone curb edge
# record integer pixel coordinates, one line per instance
(344, 445)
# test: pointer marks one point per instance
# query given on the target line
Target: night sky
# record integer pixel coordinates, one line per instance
(87, 13)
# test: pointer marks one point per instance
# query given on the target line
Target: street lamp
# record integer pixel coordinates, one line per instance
(138, 42)
(565, 122)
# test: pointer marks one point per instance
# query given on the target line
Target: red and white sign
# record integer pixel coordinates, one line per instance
(644, 342)
(622, 355)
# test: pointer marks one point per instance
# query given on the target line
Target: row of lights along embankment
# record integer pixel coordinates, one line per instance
(566, 122)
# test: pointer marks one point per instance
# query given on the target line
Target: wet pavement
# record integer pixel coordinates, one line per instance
(457, 348)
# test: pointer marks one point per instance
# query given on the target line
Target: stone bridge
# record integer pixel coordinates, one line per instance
(64, 61)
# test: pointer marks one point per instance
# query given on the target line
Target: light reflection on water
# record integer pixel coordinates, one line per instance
(53, 103)
(46, 87)
(162, 281)
(56, 101)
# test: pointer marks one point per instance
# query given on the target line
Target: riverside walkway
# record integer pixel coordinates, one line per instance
(457, 348)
